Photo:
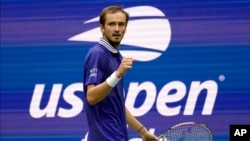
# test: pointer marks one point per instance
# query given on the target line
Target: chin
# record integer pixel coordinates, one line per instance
(115, 42)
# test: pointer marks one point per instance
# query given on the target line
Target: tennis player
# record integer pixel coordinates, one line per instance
(104, 69)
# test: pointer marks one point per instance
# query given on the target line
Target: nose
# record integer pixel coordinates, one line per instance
(117, 28)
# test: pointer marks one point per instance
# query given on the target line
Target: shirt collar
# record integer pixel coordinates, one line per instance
(107, 45)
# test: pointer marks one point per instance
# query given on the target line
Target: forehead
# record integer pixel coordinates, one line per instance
(115, 17)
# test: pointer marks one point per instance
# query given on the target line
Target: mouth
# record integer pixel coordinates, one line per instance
(116, 35)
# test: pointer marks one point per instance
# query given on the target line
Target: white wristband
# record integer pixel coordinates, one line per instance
(112, 80)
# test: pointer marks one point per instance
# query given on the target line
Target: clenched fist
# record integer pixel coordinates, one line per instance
(126, 64)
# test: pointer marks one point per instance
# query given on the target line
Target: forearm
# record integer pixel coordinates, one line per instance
(135, 124)
(96, 93)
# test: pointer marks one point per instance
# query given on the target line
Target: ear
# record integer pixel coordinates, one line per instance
(102, 28)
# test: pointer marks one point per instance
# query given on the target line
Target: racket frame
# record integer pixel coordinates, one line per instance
(163, 136)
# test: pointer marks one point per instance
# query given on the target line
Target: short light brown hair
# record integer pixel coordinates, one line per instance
(111, 10)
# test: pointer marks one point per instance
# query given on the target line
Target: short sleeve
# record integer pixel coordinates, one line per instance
(93, 68)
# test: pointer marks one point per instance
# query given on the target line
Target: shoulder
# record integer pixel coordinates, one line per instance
(96, 49)
(96, 52)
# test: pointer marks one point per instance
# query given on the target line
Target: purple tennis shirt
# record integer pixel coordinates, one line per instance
(106, 119)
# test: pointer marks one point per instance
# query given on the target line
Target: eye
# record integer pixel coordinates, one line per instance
(122, 24)
(112, 24)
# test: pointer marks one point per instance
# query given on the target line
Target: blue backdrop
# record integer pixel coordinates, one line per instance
(193, 65)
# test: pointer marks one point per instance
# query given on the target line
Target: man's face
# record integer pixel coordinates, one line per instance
(114, 28)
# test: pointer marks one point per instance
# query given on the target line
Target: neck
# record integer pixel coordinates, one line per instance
(114, 45)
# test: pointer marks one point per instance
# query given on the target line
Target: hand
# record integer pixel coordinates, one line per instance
(126, 64)
(149, 137)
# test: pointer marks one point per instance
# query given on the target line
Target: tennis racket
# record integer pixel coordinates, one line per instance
(187, 131)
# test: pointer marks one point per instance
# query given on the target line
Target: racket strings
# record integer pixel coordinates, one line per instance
(189, 133)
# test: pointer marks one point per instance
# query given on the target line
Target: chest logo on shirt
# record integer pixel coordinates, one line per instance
(147, 37)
